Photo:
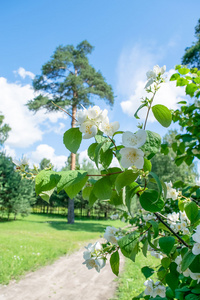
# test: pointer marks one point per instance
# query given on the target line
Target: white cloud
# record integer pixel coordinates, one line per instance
(132, 67)
(23, 73)
(25, 126)
(46, 151)
(167, 95)
(9, 151)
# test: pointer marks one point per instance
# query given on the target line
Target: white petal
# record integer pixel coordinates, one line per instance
(196, 249)
(157, 70)
(131, 157)
(81, 116)
(149, 82)
(93, 112)
(134, 140)
(196, 237)
(163, 69)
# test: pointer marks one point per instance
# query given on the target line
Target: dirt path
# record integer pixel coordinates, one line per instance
(66, 279)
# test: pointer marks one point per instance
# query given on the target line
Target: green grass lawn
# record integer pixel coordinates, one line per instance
(28, 243)
(131, 280)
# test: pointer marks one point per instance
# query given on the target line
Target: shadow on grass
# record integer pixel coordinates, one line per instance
(80, 226)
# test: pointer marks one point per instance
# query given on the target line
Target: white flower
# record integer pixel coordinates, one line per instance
(148, 217)
(185, 231)
(174, 217)
(22, 162)
(114, 217)
(81, 116)
(196, 249)
(134, 140)
(159, 290)
(152, 74)
(196, 236)
(93, 257)
(149, 287)
(109, 128)
(89, 129)
(195, 276)
(171, 193)
(132, 157)
(98, 263)
(187, 272)
(93, 112)
(110, 235)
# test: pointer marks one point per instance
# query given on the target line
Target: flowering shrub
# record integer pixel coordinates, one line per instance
(167, 221)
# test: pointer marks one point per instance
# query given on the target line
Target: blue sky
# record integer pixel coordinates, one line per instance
(129, 36)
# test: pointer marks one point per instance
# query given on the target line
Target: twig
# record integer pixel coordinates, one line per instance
(174, 233)
(64, 110)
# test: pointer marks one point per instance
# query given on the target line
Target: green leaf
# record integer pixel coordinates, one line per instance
(174, 77)
(116, 199)
(91, 151)
(139, 108)
(191, 89)
(179, 160)
(187, 260)
(147, 165)
(149, 201)
(181, 81)
(145, 247)
(118, 132)
(183, 71)
(86, 192)
(166, 244)
(103, 188)
(147, 272)
(106, 158)
(165, 262)
(158, 182)
(155, 227)
(191, 210)
(72, 139)
(72, 182)
(195, 265)
(114, 262)
(129, 245)
(152, 144)
(125, 179)
(172, 281)
(106, 143)
(92, 198)
(45, 195)
(46, 181)
(162, 114)
(131, 190)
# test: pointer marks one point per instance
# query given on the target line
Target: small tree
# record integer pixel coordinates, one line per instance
(4, 129)
(16, 194)
(192, 54)
(70, 81)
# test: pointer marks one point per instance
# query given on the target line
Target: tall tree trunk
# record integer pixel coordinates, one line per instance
(72, 167)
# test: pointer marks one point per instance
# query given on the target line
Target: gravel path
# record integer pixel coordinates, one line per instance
(66, 279)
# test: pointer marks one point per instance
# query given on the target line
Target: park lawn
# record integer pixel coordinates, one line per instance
(37, 240)
(131, 280)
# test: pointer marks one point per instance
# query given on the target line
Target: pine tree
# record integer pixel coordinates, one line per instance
(70, 81)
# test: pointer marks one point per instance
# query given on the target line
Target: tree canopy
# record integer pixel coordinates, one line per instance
(192, 53)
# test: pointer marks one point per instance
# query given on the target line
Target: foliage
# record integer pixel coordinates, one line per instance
(4, 130)
(164, 166)
(192, 54)
(16, 194)
(172, 236)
